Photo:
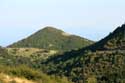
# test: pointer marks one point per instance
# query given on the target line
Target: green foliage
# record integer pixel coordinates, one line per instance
(113, 41)
(31, 74)
(32, 53)
(102, 62)
(13, 66)
(91, 79)
(100, 66)
(54, 39)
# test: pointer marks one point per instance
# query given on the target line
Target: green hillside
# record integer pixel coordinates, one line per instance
(23, 69)
(24, 74)
(32, 53)
(52, 39)
(91, 67)
(102, 62)
(115, 40)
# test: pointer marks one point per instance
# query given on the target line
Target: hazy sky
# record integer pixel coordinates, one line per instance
(91, 19)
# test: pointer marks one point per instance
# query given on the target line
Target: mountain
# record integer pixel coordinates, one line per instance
(54, 39)
(102, 62)
(115, 40)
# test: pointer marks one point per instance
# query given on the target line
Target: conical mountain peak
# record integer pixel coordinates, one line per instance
(50, 28)
(52, 38)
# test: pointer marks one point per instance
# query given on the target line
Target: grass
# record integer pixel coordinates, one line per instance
(33, 53)
(23, 72)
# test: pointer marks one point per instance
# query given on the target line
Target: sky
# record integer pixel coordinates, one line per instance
(92, 19)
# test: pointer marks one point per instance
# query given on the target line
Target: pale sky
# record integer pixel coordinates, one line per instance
(92, 19)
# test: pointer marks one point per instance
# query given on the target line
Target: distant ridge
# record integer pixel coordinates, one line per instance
(52, 38)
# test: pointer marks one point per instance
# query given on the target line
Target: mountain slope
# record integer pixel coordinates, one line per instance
(115, 40)
(54, 39)
(32, 53)
(102, 62)
(13, 70)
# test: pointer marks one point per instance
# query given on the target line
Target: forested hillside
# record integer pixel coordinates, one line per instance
(52, 39)
(114, 41)
(102, 62)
